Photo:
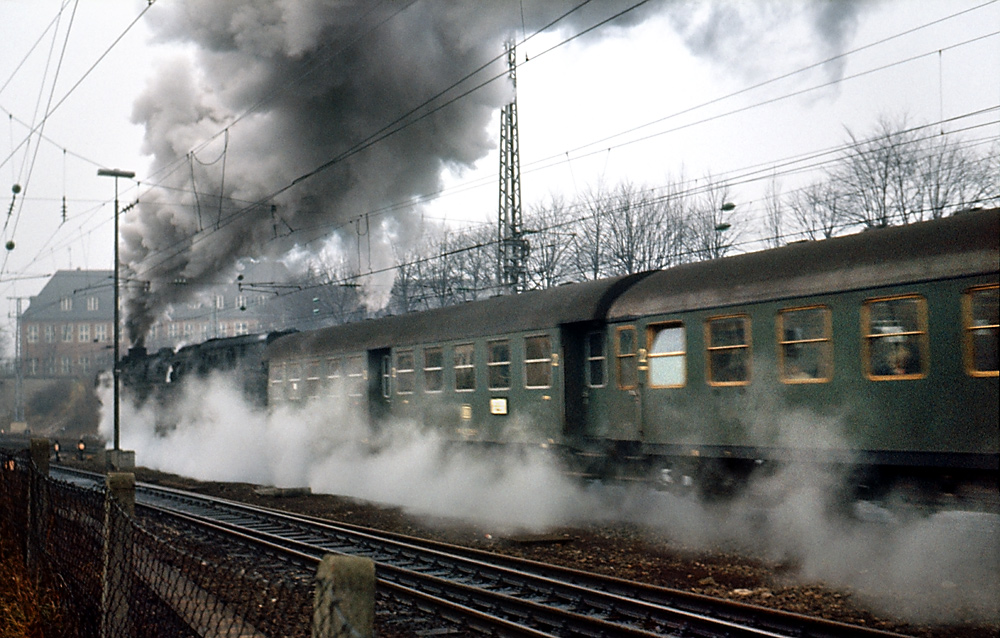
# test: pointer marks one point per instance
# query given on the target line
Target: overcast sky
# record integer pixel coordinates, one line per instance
(638, 100)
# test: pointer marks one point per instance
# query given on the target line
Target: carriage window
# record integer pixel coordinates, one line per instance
(626, 347)
(386, 374)
(333, 386)
(805, 345)
(537, 362)
(667, 355)
(595, 360)
(498, 364)
(294, 389)
(433, 369)
(355, 376)
(312, 379)
(465, 372)
(895, 338)
(276, 372)
(728, 341)
(405, 375)
(980, 310)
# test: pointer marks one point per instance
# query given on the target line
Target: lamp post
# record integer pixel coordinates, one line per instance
(116, 173)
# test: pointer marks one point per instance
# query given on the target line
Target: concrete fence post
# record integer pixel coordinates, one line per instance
(116, 577)
(37, 505)
(344, 601)
(40, 455)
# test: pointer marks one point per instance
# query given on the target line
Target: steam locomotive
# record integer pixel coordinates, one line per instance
(875, 352)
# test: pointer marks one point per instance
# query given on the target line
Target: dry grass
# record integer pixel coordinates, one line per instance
(25, 611)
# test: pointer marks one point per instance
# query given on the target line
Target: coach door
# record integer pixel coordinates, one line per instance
(625, 397)
(379, 383)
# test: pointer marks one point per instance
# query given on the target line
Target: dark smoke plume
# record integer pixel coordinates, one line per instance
(296, 84)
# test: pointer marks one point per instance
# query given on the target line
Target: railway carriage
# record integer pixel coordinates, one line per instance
(875, 351)
(491, 371)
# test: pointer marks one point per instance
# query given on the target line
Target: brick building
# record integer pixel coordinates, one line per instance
(66, 330)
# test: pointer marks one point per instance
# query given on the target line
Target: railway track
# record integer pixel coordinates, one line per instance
(495, 594)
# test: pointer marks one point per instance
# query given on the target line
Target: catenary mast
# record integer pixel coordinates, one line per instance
(512, 247)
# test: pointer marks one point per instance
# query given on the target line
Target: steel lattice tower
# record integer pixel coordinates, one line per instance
(512, 247)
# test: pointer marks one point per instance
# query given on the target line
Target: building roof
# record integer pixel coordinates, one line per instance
(78, 286)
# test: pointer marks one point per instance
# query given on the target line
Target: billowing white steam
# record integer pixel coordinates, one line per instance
(936, 569)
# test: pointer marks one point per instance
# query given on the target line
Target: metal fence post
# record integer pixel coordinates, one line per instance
(344, 600)
(116, 578)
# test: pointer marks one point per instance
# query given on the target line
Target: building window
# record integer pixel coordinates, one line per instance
(84, 363)
(626, 348)
(101, 332)
(92, 304)
(980, 311)
(32, 366)
(595, 360)
(667, 355)
(223, 330)
(220, 302)
(172, 331)
(465, 372)
(33, 333)
(241, 302)
(188, 330)
(805, 345)
(433, 369)
(66, 304)
(83, 332)
(50, 334)
(498, 364)
(728, 350)
(538, 361)
(65, 366)
(895, 344)
(405, 375)
(240, 328)
(67, 333)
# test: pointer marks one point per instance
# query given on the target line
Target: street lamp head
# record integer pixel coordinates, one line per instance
(115, 172)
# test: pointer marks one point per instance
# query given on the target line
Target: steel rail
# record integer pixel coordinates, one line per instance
(424, 566)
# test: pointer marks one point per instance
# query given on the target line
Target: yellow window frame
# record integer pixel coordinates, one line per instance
(825, 372)
(868, 336)
(968, 329)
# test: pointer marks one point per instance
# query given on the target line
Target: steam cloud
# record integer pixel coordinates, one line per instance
(937, 568)
(299, 83)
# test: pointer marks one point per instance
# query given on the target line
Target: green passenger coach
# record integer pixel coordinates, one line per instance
(874, 352)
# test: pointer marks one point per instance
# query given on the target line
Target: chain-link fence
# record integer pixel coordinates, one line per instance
(107, 575)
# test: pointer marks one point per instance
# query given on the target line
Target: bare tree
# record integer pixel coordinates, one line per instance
(817, 210)
(711, 233)
(551, 234)
(952, 178)
(773, 214)
(589, 248)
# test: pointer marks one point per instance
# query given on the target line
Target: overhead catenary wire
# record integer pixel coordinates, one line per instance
(371, 212)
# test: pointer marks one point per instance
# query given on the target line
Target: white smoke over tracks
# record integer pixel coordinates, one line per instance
(922, 568)
(267, 92)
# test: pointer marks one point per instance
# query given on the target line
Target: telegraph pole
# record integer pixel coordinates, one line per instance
(512, 247)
